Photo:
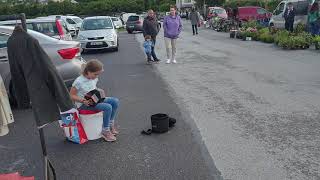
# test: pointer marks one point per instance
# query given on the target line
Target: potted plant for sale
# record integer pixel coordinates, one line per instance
(316, 41)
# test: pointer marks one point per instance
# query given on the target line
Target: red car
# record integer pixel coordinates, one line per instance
(252, 13)
(219, 11)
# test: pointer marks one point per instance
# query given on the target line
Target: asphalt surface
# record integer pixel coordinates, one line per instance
(178, 154)
(256, 105)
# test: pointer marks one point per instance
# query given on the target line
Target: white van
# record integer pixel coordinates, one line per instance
(301, 7)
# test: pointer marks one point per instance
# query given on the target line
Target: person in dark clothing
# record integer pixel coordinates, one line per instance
(289, 15)
(151, 28)
(314, 19)
(35, 78)
(195, 20)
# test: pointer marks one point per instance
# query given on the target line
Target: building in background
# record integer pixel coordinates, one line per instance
(184, 4)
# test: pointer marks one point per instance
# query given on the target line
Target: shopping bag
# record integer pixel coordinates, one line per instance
(72, 127)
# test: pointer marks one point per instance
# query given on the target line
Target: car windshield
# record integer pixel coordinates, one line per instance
(114, 19)
(218, 11)
(70, 21)
(95, 24)
(133, 18)
(77, 20)
(47, 28)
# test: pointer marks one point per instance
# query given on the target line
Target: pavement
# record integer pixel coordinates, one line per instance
(178, 154)
(256, 106)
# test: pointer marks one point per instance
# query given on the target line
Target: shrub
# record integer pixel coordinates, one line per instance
(281, 34)
(264, 30)
(308, 37)
(266, 37)
(294, 42)
(300, 28)
(316, 39)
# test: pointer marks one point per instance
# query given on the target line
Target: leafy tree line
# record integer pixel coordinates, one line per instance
(84, 7)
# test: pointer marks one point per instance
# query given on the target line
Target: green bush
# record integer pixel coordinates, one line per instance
(316, 39)
(300, 41)
(84, 7)
(266, 37)
(300, 28)
(280, 35)
(263, 30)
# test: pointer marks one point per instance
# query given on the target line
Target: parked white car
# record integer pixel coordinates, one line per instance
(117, 22)
(98, 33)
(77, 20)
(70, 24)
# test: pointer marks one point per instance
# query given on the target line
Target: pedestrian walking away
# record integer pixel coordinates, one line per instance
(148, 45)
(172, 27)
(88, 82)
(151, 28)
(195, 20)
(289, 15)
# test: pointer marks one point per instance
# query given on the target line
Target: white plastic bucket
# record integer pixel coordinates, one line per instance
(92, 125)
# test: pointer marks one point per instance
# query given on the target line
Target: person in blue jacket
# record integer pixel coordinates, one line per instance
(148, 45)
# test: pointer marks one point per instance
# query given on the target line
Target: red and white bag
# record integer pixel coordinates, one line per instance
(72, 127)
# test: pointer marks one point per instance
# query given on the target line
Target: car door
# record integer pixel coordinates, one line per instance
(277, 17)
(301, 8)
(4, 63)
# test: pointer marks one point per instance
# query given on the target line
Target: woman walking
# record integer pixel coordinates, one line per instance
(172, 27)
(195, 20)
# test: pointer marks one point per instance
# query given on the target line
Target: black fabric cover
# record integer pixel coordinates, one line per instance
(36, 79)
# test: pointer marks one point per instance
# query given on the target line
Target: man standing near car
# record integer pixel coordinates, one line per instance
(289, 15)
(151, 28)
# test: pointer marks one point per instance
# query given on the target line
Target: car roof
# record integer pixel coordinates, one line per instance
(9, 30)
(97, 17)
(28, 21)
(39, 36)
(73, 17)
(216, 7)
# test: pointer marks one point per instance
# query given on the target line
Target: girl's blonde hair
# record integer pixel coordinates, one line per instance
(93, 65)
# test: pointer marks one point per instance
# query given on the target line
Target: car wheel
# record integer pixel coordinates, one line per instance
(117, 48)
(130, 32)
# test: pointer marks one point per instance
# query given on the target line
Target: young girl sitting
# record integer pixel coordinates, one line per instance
(88, 82)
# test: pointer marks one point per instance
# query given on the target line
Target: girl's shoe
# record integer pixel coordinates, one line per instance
(114, 130)
(168, 61)
(108, 136)
(174, 61)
